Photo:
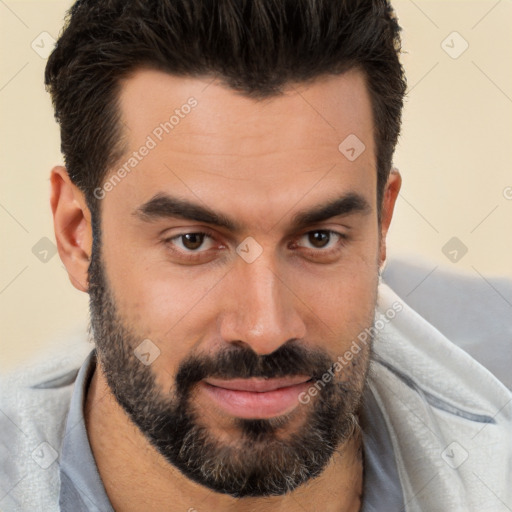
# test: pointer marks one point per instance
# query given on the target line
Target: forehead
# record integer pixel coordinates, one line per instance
(203, 138)
(325, 109)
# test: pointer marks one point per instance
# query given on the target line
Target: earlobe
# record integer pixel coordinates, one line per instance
(72, 226)
(390, 195)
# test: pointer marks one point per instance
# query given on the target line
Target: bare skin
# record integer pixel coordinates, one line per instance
(258, 163)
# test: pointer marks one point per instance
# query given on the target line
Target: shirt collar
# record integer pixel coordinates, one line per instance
(81, 486)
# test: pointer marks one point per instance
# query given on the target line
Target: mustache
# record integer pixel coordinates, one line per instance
(241, 362)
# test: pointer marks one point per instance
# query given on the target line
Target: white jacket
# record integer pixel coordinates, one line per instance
(449, 419)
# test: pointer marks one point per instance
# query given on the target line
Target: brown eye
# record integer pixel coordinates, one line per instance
(321, 242)
(194, 248)
(192, 241)
(195, 241)
(319, 239)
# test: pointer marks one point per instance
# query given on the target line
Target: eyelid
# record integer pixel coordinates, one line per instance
(341, 236)
(201, 231)
(197, 255)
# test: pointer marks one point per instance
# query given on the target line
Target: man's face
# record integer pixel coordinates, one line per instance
(257, 291)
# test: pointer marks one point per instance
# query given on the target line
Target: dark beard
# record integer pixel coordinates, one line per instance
(263, 460)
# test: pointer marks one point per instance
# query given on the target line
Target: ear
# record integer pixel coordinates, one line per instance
(391, 191)
(72, 225)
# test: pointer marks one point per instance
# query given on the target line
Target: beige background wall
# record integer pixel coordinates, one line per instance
(455, 157)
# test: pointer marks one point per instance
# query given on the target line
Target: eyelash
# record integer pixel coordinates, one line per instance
(194, 256)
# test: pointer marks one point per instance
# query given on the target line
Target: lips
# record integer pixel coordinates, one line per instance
(257, 384)
(255, 398)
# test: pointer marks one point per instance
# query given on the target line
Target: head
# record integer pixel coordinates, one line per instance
(225, 203)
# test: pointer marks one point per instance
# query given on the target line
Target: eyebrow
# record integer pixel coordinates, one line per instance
(163, 206)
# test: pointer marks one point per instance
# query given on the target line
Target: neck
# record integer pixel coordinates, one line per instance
(133, 471)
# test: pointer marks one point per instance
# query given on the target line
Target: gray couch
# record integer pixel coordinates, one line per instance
(473, 311)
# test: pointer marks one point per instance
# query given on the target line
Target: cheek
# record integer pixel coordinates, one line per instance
(343, 311)
(344, 295)
(341, 308)
(156, 301)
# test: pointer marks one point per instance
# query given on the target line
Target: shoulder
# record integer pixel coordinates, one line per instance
(444, 411)
(34, 402)
(472, 311)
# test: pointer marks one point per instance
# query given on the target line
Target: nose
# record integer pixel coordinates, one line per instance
(262, 311)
